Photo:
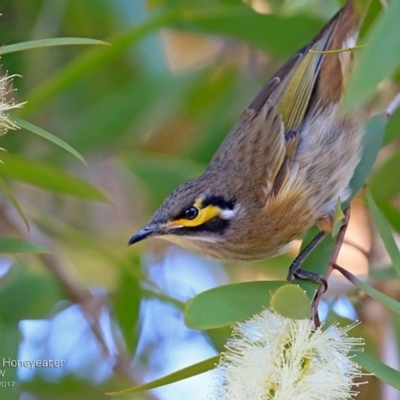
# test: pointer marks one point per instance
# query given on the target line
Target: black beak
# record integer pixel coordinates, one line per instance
(144, 233)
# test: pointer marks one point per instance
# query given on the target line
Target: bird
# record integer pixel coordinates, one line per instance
(283, 167)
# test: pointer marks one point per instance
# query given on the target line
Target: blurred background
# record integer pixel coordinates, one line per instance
(147, 113)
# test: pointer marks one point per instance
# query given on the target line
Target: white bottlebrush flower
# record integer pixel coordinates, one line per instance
(275, 358)
(7, 104)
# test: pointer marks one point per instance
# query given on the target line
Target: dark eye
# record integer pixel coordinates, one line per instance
(191, 213)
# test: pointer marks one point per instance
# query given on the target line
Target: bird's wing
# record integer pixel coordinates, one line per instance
(285, 98)
(265, 138)
(255, 148)
(296, 90)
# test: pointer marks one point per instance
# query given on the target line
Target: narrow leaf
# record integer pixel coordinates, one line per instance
(91, 61)
(374, 131)
(47, 135)
(184, 373)
(40, 43)
(379, 183)
(48, 177)
(378, 60)
(379, 369)
(377, 295)
(392, 214)
(383, 274)
(11, 245)
(128, 292)
(385, 233)
(235, 21)
(392, 131)
(28, 295)
(7, 191)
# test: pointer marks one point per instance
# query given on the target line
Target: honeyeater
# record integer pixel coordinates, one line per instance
(284, 165)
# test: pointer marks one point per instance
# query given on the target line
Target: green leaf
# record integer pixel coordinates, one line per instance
(337, 218)
(10, 338)
(37, 44)
(374, 131)
(11, 245)
(47, 135)
(378, 59)
(383, 274)
(268, 31)
(385, 233)
(379, 369)
(392, 214)
(157, 99)
(129, 293)
(377, 295)
(291, 301)
(47, 177)
(379, 179)
(28, 295)
(7, 191)
(225, 305)
(93, 60)
(392, 131)
(184, 373)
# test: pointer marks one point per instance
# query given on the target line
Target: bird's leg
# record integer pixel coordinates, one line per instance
(332, 265)
(295, 270)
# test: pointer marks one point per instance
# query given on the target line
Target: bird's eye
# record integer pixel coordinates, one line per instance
(191, 213)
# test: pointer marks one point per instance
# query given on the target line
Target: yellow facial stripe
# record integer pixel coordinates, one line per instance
(205, 214)
(198, 203)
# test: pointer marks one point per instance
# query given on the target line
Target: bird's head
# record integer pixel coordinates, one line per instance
(195, 216)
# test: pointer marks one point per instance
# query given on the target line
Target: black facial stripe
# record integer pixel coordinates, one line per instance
(220, 202)
(215, 225)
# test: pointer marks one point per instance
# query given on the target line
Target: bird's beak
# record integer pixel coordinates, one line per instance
(147, 231)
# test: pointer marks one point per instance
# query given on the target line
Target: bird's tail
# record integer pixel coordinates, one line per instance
(318, 72)
(340, 42)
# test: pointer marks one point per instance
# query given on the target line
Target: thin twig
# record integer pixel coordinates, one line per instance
(347, 274)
